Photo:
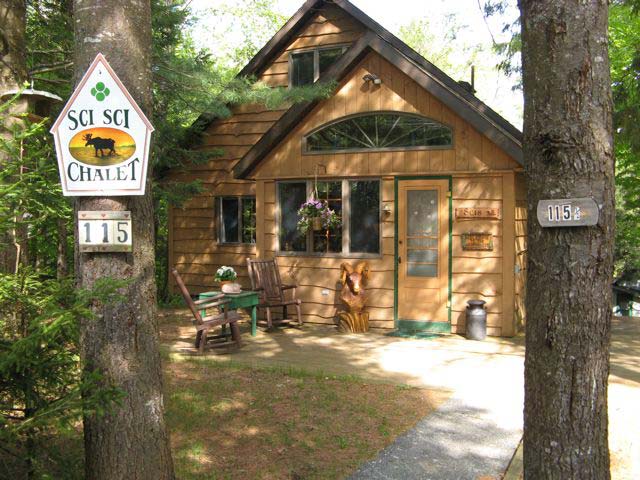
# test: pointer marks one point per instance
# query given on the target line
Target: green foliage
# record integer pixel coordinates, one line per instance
(508, 50)
(30, 195)
(624, 52)
(49, 37)
(40, 386)
(248, 25)
(441, 44)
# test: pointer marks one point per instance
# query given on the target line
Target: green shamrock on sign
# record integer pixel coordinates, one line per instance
(100, 91)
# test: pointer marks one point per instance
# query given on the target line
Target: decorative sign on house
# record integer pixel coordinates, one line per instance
(477, 241)
(568, 212)
(104, 231)
(477, 213)
(102, 137)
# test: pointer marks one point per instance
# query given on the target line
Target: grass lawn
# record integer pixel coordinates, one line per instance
(234, 422)
(230, 421)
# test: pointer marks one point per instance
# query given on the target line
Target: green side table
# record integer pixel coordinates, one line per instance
(246, 300)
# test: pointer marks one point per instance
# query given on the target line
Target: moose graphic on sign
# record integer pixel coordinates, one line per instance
(102, 146)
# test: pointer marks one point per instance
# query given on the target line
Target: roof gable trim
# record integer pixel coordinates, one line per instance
(476, 116)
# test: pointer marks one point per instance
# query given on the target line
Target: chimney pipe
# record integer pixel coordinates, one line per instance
(473, 78)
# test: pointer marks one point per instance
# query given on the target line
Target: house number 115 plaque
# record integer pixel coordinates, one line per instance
(104, 231)
(568, 212)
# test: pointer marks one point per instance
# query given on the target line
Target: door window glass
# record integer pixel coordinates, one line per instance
(422, 233)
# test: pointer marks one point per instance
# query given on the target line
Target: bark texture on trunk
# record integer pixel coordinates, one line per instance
(13, 67)
(122, 342)
(568, 150)
(13, 72)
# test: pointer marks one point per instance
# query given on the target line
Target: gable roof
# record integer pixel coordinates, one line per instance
(399, 54)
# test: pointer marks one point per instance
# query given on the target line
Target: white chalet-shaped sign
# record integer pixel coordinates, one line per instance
(102, 137)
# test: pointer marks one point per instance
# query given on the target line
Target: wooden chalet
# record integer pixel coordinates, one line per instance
(427, 179)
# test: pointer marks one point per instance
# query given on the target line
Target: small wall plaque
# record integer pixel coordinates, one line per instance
(568, 212)
(477, 241)
(104, 231)
(477, 213)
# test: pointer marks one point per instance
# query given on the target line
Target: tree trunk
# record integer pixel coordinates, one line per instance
(13, 72)
(122, 341)
(568, 151)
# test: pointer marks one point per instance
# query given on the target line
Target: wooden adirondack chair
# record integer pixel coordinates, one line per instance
(265, 279)
(204, 324)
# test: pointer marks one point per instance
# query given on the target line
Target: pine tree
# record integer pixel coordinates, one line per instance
(122, 342)
(568, 151)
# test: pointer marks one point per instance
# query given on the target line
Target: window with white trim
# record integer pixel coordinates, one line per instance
(236, 219)
(308, 65)
(356, 202)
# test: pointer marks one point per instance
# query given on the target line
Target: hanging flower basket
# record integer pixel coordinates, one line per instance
(316, 215)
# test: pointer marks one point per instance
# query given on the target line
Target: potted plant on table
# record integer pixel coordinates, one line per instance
(316, 215)
(226, 276)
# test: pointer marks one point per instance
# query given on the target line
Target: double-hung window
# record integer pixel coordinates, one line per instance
(307, 66)
(356, 202)
(236, 219)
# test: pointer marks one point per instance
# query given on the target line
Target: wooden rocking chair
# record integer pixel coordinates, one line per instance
(265, 279)
(203, 325)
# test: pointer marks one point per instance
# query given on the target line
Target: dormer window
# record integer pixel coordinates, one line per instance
(305, 67)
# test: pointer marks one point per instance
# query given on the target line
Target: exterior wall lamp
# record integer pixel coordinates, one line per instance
(371, 77)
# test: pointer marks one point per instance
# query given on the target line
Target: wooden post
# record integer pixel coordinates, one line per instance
(508, 254)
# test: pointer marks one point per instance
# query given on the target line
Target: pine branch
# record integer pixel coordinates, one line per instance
(51, 67)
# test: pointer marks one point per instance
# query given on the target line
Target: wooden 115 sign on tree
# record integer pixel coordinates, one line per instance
(102, 137)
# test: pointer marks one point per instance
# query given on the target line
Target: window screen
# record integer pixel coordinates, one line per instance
(362, 216)
(290, 197)
(328, 57)
(364, 225)
(248, 220)
(236, 219)
(307, 66)
(230, 224)
(303, 70)
(329, 240)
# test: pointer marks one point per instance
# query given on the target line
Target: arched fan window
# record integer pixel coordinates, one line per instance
(379, 131)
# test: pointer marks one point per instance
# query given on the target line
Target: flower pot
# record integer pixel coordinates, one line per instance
(230, 287)
(316, 223)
